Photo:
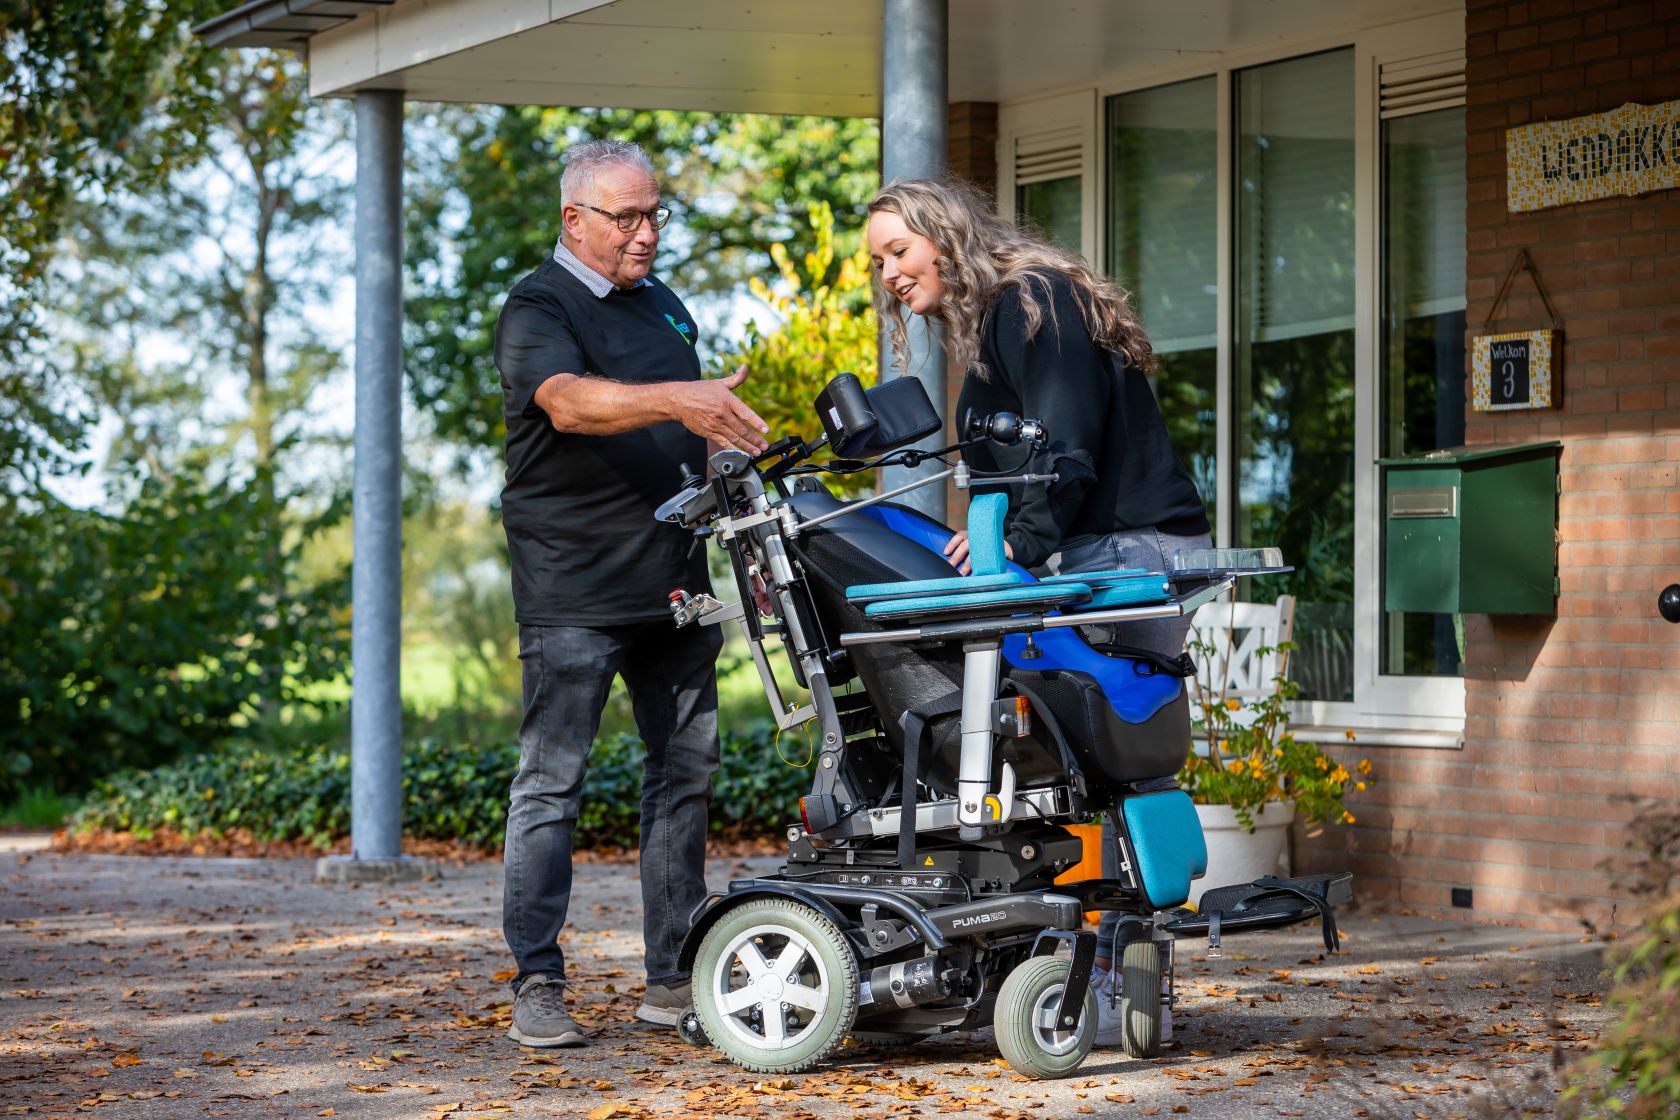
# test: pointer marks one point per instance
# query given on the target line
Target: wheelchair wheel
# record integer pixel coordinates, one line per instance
(775, 986)
(1140, 999)
(1024, 1018)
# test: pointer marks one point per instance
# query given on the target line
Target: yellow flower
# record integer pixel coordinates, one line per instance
(1234, 766)
(1340, 775)
(1360, 786)
(1323, 762)
(1277, 752)
(1364, 766)
(1232, 704)
(1349, 734)
(1347, 817)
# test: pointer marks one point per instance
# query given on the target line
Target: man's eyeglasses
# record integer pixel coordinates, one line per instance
(629, 221)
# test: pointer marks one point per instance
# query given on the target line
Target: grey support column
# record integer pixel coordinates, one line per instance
(914, 80)
(376, 507)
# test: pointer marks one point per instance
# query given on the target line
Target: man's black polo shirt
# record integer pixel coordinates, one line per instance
(578, 509)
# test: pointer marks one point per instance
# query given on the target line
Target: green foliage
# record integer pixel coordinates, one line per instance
(38, 807)
(827, 327)
(485, 209)
(94, 97)
(130, 640)
(1634, 1069)
(451, 791)
(1249, 757)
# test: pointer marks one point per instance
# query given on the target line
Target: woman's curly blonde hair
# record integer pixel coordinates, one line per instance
(979, 254)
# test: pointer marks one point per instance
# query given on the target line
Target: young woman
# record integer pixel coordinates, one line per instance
(1042, 335)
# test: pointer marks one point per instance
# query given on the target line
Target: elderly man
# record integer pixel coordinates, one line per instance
(605, 404)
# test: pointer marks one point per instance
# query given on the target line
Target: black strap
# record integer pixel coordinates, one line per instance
(913, 724)
(1318, 901)
(1063, 747)
(1158, 662)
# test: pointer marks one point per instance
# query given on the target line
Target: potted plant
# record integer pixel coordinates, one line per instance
(1250, 778)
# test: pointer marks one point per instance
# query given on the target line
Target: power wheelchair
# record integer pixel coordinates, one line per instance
(959, 723)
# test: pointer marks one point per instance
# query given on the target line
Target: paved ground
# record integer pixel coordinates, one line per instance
(150, 987)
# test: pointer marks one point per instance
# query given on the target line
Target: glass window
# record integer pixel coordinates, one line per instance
(1422, 374)
(1053, 208)
(1163, 246)
(1293, 348)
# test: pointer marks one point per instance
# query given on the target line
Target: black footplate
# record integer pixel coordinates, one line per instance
(1266, 903)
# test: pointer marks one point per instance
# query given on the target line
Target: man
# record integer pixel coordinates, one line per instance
(605, 405)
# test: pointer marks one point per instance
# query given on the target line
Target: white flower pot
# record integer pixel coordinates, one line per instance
(1238, 856)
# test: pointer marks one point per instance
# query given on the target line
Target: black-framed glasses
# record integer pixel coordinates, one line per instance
(629, 221)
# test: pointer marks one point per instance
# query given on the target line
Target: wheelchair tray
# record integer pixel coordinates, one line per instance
(1266, 903)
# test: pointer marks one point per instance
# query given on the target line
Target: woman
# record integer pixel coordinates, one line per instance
(1042, 335)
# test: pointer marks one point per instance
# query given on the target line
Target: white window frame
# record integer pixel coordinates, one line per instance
(1399, 710)
(1076, 111)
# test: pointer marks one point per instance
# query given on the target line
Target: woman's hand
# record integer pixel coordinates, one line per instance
(956, 551)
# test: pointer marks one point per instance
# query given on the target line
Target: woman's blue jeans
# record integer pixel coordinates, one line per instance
(1140, 548)
(567, 672)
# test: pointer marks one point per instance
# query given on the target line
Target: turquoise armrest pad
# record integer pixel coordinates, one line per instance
(1168, 841)
(1025, 597)
(930, 586)
(1151, 589)
(1094, 578)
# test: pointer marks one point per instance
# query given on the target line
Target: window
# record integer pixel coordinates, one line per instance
(1294, 348)
(1053, 208)
(1422, 371)
(1163, 247)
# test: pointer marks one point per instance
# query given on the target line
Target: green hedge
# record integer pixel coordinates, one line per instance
(451, 791)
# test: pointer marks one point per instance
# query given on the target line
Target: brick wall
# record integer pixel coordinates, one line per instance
(1565, 714)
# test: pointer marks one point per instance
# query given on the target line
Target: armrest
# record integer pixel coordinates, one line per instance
(1094, 578)
(1008, 600)
(869, 592)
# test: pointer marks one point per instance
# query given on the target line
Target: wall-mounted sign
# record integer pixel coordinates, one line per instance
(1627, 151)
(1511, 370)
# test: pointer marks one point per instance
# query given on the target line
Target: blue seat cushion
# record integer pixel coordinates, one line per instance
(864, 592)
(1167, 837)
(1006, 600)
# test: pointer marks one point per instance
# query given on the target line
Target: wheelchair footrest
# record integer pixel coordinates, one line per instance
(1267, 903)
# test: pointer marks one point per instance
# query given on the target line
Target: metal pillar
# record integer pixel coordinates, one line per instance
(914, 80)
(376, 508)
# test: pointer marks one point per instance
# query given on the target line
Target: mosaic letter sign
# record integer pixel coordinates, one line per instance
(1627, 151)
(1510, 371)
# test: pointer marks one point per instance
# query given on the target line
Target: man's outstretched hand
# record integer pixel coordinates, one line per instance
(711, 409)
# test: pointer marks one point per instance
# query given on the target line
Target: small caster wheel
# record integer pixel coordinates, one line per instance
(689, 1028)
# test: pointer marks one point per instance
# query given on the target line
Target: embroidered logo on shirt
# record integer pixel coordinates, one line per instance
(682, 328)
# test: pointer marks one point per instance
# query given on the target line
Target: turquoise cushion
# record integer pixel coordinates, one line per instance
(985, 533)
(931, 586)
(1167, 839)
(1094, 578)
(1152, 589)
(1018, 598)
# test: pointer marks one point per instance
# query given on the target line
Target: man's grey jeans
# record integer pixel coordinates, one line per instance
(1153, 550)
(567, 672)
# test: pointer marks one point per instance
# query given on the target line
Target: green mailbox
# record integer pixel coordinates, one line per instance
(1472, 530)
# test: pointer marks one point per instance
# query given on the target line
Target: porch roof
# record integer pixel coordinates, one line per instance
(769, 56)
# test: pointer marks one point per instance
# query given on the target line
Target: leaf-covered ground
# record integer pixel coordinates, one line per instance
(167, 987)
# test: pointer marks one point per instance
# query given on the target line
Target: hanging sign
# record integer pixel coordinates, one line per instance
(1627, 151)
(1516, 369)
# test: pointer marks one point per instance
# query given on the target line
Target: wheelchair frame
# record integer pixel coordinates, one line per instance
(885, 931)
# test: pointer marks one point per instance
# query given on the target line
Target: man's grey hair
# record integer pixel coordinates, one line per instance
(583, 160)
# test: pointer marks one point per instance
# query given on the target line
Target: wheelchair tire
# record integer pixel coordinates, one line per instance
(1023, 1019)
(775, 986)
(1140, 999)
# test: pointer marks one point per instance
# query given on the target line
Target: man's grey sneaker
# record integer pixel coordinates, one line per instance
(1111, 1024)
(539, 1014)
(663, 1004)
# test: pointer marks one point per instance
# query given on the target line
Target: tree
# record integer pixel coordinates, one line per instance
(737, 183)
(94, 97)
